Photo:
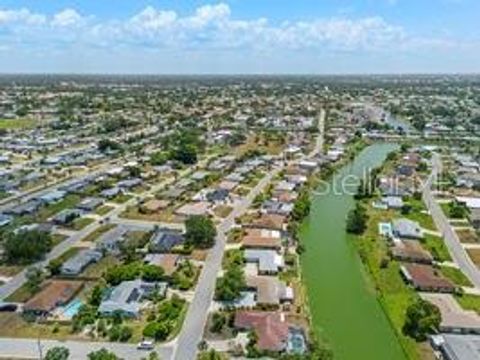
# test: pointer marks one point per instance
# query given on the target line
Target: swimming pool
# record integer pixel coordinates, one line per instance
(385, 229)
(72, 308)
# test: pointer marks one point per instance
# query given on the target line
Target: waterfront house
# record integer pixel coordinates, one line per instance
(406, 228)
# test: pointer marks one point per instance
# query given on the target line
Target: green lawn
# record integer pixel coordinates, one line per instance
(96, 270)
(469, 302)
(17, 123)
(80, 223)
(122, 198)
(102, 210)
(97, 232)
(455, 275)
(69, 254)
(418, 213)
(436, 247)
(70, 201)
(22, 294)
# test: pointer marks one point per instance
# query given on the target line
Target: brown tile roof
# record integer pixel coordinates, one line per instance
(168, 262)
(411, 250)
(285, 196)
(425, 277)
(261, 238)
(269, 221)
(53, 294)
(270, 327)
(268, 288)
(155, 205)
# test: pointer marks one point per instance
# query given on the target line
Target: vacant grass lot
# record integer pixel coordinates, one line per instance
(467, 236)
(419, 214)
(455, 275)
(45, 212)
(469, 302)
(475, 256)
(102, 210)
(166, 215)
(436, 247)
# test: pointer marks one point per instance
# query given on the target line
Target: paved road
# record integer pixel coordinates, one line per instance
(451, 239)
(192, 330)
(29, 349)
(196, 319)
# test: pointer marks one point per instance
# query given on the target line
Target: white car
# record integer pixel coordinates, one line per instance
(146, 345)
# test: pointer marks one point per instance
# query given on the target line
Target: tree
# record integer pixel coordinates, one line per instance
(357, 220)
(96, 296)
(102, 354)
(211, 355)
(55, 266)
(301, 208)
(200, 231)
(108, 145)
(35, 277)
(25, 247)
(152, 273)
(185, 153)
(457, 210)
(230, 285)
(219, 320)
(158, 158)
(152, 356)
(421, 319)
(57, 353)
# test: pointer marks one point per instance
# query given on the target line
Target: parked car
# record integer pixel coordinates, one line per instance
(146, 345)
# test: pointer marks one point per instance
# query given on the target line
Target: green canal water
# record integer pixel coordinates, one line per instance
(342, 300)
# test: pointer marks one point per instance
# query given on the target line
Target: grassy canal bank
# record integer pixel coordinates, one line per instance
(342, 299)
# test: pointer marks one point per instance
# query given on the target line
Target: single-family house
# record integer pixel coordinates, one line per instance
(26, 208)
(163, 240)
(269, 290)
(66, 216)
(76, 264)
(392, 202)
(269, 221)
(110, 241)
(52, 295)
(426, 278)
(127, 297)
(262, 239)
(90, 204)
(406, 228)
(267, 261)
(111, 193)
(5, 219)
(474, 218)
(52, 196)
(271, 328)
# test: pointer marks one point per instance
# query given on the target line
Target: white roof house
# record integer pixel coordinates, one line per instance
(127, 297)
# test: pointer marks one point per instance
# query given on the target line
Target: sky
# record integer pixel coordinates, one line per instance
(240, 36)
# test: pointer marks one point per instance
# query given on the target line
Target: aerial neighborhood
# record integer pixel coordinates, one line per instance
(239, 218)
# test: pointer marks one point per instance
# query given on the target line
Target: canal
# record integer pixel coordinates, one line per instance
(342, 299)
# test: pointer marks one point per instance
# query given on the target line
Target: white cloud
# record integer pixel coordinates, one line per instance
(67, 17)
(152, 19)
(21, 17)
(209, 27)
